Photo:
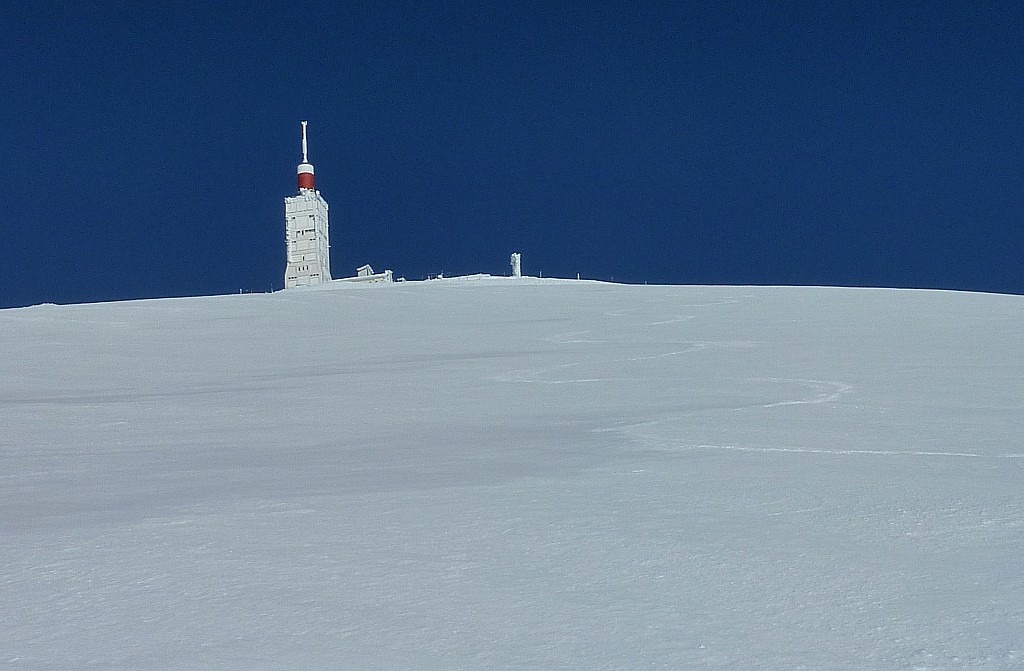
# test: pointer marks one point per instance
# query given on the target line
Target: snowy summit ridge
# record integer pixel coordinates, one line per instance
(488, 473)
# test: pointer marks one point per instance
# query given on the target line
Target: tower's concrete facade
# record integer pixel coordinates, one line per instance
(308, 243)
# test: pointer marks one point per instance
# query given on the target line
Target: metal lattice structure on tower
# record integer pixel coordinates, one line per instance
(305, 216)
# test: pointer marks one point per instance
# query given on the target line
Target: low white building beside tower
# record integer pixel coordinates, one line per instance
(305, 216)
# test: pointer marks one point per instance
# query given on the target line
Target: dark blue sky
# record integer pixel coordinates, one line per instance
(147, 150)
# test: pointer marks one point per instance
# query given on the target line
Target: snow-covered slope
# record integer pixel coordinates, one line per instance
(490, 473)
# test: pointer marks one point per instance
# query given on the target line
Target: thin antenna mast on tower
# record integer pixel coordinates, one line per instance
(304, 159)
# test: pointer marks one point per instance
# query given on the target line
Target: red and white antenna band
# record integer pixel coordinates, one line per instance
(305, 169)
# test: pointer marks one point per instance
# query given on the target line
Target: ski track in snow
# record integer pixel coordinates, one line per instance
(804, 450)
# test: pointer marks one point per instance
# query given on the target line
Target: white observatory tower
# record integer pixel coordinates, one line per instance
(305, 216)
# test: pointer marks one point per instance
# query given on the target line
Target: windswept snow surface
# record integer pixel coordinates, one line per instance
(497, 473)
